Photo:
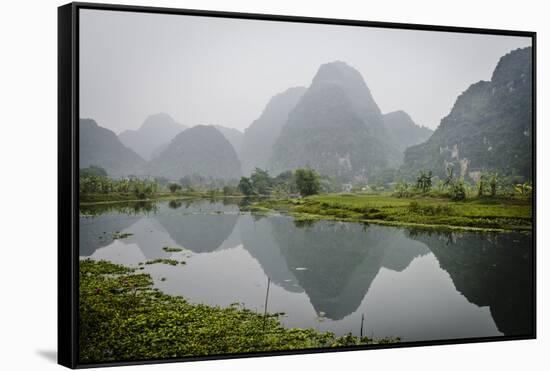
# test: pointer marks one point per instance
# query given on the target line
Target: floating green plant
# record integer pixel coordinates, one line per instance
(122, 317)
(119, 236)
(171, 249)
(164, 261)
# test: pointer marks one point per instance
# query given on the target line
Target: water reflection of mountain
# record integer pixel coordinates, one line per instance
(491, 270)
(341, 260)
(199, 226)
(98, 231)
(257, 239)
(150, 237)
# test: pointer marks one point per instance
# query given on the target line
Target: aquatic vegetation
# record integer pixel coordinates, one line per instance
(172, 249)
(164, 261)
(123, 318)
(118, 235)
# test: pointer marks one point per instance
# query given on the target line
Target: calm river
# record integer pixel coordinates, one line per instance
(331, 276)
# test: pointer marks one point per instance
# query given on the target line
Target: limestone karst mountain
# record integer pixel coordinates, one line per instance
(336, 128)
(201, 150)
(489, 127)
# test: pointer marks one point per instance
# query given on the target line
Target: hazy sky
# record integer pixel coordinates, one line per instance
(204, 70)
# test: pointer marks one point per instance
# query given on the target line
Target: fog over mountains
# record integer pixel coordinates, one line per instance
(259, 138)
(199, 150)
(403, 131)
(101, 147)
(335, 127)
(234, 136)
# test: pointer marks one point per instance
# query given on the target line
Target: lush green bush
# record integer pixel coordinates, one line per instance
(457, 190)
(174, 187)
(245, 186)
(307, 181)
(403, 189)
(424, 181)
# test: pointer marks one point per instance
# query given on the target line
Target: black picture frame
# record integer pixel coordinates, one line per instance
(68, 170)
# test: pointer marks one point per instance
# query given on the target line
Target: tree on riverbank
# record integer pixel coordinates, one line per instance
(174, 187)
(307, 181)
(245, 186)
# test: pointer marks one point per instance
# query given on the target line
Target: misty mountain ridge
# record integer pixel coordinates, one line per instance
(337, 112)
(156, 131)
(101, 147)
(260, 136)
(336, 127)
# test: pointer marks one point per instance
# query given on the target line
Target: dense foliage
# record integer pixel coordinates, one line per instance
(303, 181)
(92, 181)
(123, 318)
(307, 181)
(196, 181)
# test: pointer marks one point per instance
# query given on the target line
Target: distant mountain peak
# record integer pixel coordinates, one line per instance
(200, 150)
(156, 120)
(154, 132)
(336, 128)
(338, 71)
(350, 80)
(399, 113)
(404, 131)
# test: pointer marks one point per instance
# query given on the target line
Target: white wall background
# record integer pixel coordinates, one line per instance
(28, 155)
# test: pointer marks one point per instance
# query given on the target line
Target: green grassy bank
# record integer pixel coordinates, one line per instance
(427, 212)
(96, 198)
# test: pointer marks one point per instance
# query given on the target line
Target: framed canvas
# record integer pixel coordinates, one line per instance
(236, 185)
